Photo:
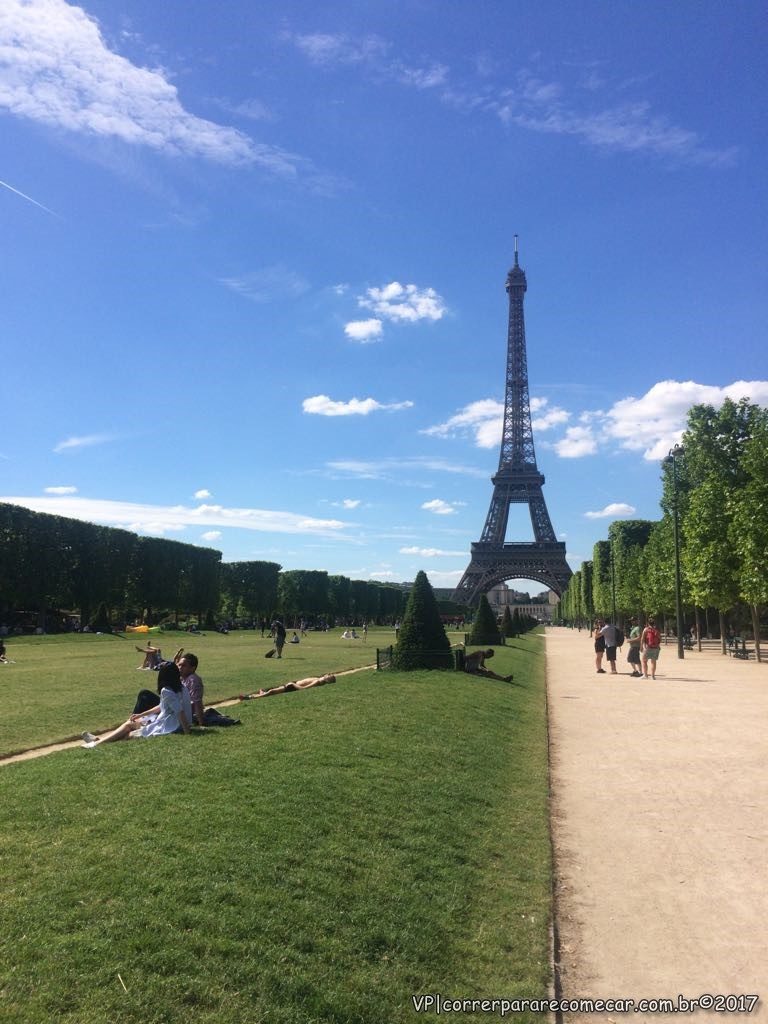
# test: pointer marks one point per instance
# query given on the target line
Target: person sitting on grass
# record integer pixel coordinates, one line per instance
(193, 684)
(299, 684)
(475, 664)
(170, 715)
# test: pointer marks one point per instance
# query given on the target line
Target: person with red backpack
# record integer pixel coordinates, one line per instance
(650, 642)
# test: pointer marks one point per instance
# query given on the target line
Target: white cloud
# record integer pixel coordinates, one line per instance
(75, 443)
(485, 420)
(382, 469)
(631, 127)
(655, 422)
(202, 494)
(440, 507)
(533, 102)
(60, 490)
(326, 48)
(578, 441)
(550, 418)
(363, 330)
(58, 70)
(613, 511)
(268, 284)
(404, 303)
(322, 405)
(350, 503)
(211, 535)
(444, 578)
(161, 518)
(430, 552)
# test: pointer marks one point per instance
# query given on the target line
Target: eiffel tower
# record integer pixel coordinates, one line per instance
(517, 480)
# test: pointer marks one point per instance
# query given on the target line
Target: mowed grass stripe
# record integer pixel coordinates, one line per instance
(343, 849)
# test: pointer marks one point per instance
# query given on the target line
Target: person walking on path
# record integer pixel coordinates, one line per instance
(599, 645)
(650, 642)
(608, 632)
(633, 655)
(278, 635)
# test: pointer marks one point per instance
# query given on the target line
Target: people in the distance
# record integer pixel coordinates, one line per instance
(599, 645)
(633, 654)
(278, 635)
(3, 655)
(650, 642)
(474, 663)
(608, 632)
(168, 716)
(152, 656)
(295, 638)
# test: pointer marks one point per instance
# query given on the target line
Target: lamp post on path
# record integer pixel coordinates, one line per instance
(675, 453)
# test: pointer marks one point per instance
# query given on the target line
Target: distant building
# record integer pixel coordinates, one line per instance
(540, 607)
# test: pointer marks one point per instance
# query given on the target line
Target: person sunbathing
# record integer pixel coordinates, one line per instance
(299, 684)
(152, 656)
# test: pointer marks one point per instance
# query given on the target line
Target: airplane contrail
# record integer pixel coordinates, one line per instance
(29, 198)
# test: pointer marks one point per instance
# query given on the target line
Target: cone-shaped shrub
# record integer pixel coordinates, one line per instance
(517, 626)
(100, 622)
(422, 642)
(484, 628)
(507, 628)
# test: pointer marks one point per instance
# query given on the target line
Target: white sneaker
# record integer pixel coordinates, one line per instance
(91, 744)
(89, 737)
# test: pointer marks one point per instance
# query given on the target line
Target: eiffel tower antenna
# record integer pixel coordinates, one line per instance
(517, 481)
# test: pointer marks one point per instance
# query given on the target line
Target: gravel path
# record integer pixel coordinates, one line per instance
(660, 827)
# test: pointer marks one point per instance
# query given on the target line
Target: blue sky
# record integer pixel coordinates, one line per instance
(254, 260)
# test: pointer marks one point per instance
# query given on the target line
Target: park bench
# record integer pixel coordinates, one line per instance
(738, 648)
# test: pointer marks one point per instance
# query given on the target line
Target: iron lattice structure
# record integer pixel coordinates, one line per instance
(517, 481)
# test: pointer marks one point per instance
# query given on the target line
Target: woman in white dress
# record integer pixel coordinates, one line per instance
(172, 714)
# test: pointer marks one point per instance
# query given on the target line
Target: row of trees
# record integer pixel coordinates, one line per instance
(49, 562)
(718, 486)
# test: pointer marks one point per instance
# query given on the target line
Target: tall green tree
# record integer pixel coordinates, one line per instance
(628, 538)
(749, 525)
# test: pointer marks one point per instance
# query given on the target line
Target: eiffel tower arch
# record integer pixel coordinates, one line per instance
(517, 481)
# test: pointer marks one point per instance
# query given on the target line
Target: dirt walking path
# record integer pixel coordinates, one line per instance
(660, 827)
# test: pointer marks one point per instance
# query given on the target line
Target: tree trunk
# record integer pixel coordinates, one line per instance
(698, 626)
(756, 629)
(723, 642)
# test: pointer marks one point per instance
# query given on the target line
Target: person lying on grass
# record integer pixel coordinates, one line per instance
(299, 684)
(475, 664)
(172, 714)
(152, 656)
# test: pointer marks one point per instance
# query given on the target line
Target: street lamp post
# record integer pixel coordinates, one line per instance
(674, 454)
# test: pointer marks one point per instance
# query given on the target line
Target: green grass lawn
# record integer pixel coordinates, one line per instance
(344, 849)
(61, 685)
